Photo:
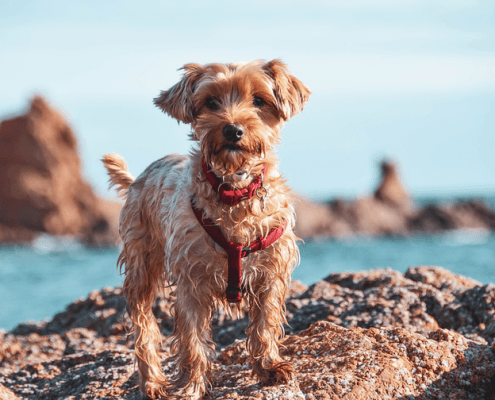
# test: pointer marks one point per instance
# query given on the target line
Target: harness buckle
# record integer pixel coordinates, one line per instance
(246, 250)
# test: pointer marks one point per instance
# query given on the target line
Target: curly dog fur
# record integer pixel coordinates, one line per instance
(236, 112)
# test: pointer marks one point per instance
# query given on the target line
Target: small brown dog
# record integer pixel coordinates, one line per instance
(216, 225)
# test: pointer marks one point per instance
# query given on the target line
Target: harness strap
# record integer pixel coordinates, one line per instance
(236, 251)
(232, 197)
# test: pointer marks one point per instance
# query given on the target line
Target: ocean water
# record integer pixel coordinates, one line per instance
(38, 281)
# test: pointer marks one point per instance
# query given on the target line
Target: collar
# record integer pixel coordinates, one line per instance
(232, 197)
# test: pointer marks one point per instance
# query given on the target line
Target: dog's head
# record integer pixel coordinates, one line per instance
(235, 110)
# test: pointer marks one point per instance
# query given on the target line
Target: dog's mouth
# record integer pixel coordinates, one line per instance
(228, 157)
(232, 147)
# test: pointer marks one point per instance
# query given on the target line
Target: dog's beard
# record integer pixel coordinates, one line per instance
(231, 157)
(228, 158)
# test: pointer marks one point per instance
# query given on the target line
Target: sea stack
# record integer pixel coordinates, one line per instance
(391, 189)
(42, 186)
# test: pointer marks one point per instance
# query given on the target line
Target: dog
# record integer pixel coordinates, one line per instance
(217, 225)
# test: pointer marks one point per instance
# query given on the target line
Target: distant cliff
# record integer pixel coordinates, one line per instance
(42, 189)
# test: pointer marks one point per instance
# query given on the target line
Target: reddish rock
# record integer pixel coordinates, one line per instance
(6, 394)
(43, 190)
(389, 212)
(441, 278)
(370, 216)
(319, 220)
(333, 362)
(17, 234)
(374, 334)
(391, 190)
(386, 213)
(462, 214)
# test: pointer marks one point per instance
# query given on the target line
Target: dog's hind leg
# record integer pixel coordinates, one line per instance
(141, 286)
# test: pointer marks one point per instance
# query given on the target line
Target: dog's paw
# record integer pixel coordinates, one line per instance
(157, 391)
(281, 372)
(186, 389)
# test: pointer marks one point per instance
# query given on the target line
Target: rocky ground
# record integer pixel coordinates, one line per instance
(425, 334)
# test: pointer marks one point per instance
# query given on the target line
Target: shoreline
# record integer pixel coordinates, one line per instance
(39, 281)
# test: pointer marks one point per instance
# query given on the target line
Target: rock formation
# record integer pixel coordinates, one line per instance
(389, 212)
(425, 334)
(391, 190)
(42, 187)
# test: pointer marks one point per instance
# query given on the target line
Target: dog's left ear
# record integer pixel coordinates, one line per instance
(290, 93)
(177, 101)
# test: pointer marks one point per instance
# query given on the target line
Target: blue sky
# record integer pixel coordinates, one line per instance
(413, 80)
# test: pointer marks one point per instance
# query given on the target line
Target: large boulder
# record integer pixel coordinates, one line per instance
(42, 186)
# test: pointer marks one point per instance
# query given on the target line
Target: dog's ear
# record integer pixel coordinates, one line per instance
(290, 93)
(177, 101)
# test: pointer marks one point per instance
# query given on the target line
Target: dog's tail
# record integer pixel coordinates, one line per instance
(118, 172)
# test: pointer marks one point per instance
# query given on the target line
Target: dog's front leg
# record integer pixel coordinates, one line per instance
(192, 343)
(140, 296)
(265, 330)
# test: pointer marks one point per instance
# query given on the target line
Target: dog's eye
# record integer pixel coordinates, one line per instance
(258, 102)
(212, 104)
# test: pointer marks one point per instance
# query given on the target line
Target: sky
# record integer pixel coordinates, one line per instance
(411, 80)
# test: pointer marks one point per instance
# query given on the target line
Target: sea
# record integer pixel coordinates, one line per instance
(40, 280)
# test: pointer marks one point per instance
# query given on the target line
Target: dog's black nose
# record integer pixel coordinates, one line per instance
(232, 133)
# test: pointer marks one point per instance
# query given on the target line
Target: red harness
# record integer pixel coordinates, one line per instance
(228, 196)
(235, 251)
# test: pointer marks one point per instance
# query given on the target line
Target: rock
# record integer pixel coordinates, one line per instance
(381, 298)
(6, 394)
(106, 374)
(339, 363)
(441, 278)
(370, 216)
(332, 362)
(391, 190)
(319, 220)
(389, 212)
(462, 214)
(18, 234)
(376, 334)
(43, 190)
